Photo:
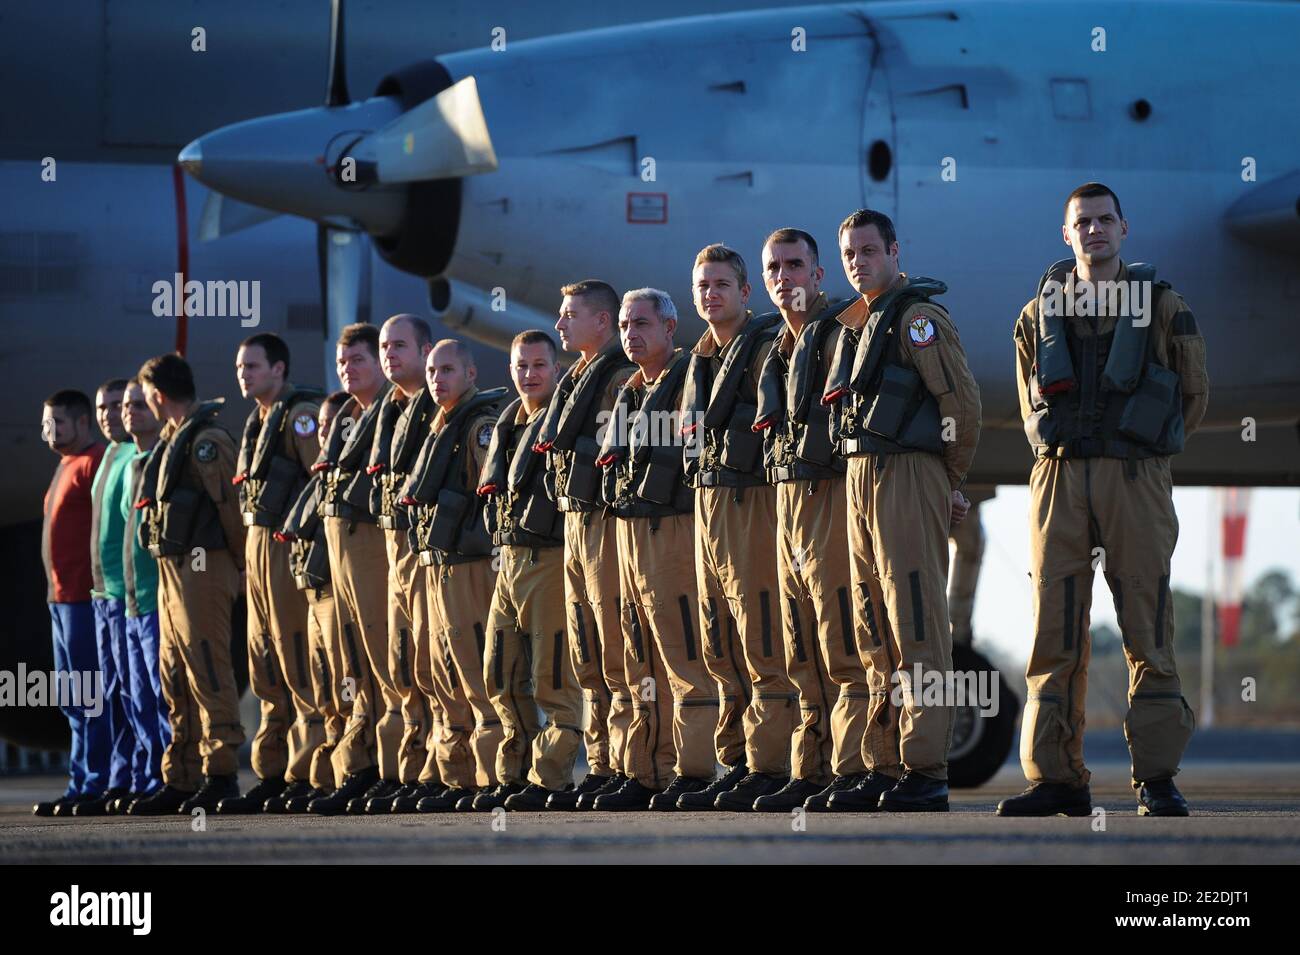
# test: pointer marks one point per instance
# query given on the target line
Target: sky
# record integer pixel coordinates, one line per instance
(1003, 602)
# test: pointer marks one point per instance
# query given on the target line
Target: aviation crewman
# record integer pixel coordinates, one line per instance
(570, 434)
(735, 542)
(192, 526)
(405, 341)
(644, 486)
(909, 423)
(822, 652)
(367, 753)
(528, 666)
(450, 535)
(1110, 386)
(276, 452)
(303, 530)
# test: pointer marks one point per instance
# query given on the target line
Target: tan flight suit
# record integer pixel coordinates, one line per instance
(591, 592)
(736, 570)
(408, 630)
(663, 658)
(303, 529)
(325, 643)
(528, 665)
(900, 508)
(197, 592)
(459, 598)
(968, 540)
(823, 658)
(359, 573)
(279, 668)
(1126, 508)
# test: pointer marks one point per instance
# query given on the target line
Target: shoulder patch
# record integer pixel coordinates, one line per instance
(485, 435)
(921, 330)
(304, 425)
(206, 450)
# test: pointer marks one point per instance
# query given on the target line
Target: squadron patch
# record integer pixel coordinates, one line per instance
(921, 331)
(304, 424)
(206, 451)
(485, 435)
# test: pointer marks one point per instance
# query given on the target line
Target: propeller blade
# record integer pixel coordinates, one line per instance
(444, 137)
(336, 90)
(222, 216)
(344, 261)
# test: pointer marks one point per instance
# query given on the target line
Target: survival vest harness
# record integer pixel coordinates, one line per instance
(724, 448)
(519, 511)
(346, 491)
(644, 467)
(570, 429)
(796, 425)
(447, 525)
(888, 408)
(1101, 395)
(269, 481)
(178, 514)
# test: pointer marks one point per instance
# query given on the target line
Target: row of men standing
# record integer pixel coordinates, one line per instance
(438, 567)
(446, 566)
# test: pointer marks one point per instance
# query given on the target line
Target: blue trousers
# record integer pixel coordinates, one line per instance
(110, 638)
(148, 706)
(73, 628)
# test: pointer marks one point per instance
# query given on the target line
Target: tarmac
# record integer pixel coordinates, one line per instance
(1243, 812)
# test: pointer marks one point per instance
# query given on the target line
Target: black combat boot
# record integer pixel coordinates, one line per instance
(666, 801)
(916, 793)
(490, 799)
(532, 798)
(445, 801)
(119, 805)
(791, 796)
(165, 802)
(1049, 799)
(253, 800)
(566, 800)
(587, 801)
(279, 804)
(211, 793)
(706, 797)
(354, 784)
(742, 796)
(409, 801)
(301, 804)
(97, 806)
(629, 797)
(821, 801)
(1156, 797)
(380, 787)
(865, 796)
(383, 805)
(53, 807)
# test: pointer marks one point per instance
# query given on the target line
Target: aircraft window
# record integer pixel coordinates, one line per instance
(1140, 110)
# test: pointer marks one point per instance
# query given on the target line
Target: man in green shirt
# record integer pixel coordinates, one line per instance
(107, 595)
(148, 709)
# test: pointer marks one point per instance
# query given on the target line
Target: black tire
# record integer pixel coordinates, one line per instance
(980, 744)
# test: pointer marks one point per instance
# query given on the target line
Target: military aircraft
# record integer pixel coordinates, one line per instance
(491, 176)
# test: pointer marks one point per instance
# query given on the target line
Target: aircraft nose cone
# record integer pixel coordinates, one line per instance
(191, 158)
